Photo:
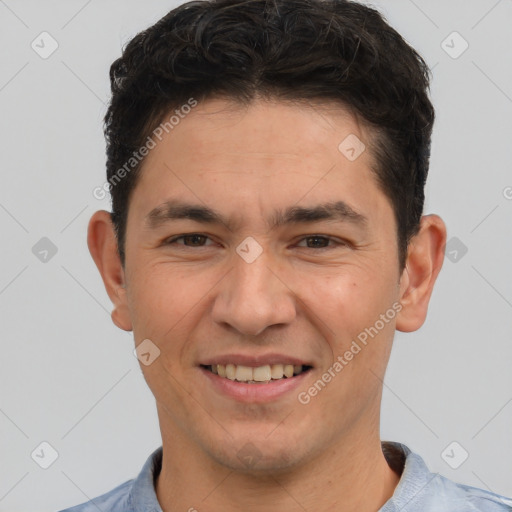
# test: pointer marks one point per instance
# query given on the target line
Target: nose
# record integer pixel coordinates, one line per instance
(254, 296)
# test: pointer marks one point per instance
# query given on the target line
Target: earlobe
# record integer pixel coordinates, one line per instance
(102, 243)
(424, 261)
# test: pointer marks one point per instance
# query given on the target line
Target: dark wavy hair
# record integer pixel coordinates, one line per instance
(326, 50)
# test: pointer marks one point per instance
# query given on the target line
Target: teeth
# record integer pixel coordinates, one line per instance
(243, 373)
(230, 371)
(288, 370)
(277, 371)
(260, 374)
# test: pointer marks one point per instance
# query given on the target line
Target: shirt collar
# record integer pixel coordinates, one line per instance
(415, 476)
(143, 494)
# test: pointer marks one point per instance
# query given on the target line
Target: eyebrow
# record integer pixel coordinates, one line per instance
(173, 209)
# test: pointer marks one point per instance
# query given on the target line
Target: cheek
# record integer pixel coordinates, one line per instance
(352, 306)
(345, 297)
(159, 298)
(169, 303)
(350, 303)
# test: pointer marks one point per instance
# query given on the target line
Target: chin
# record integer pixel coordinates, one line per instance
(258, 455)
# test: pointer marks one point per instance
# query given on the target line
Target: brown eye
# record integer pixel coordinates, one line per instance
(189, 240)
(316, 242)
(319, 242)
(194, 239)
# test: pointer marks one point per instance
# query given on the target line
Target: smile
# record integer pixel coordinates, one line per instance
(255, 384)
(256, 375)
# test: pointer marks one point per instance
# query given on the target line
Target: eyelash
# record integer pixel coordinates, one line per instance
(323, 237)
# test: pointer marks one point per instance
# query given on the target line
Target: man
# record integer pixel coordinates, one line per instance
(267, 164)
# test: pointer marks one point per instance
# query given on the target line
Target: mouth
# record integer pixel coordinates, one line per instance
(255, 384)
(257, 375)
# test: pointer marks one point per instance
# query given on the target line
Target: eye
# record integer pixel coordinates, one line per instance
(189, 239)
(319, 242)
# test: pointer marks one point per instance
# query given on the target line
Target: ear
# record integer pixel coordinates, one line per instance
(425, 258)
(102, 243)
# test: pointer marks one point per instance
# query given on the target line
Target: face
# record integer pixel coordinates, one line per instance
(269, 278)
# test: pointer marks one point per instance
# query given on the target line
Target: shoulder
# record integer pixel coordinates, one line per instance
(134, 495)
(420, 489)
(114, 500)
(466, 498)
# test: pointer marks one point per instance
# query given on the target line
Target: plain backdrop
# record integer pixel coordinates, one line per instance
(68, 376)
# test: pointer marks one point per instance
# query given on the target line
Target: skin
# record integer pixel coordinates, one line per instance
(202, 299)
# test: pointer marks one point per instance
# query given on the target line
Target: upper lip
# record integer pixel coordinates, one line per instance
(254, 360)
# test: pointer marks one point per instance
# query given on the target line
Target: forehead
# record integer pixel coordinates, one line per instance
(267, 153)
(267, 127)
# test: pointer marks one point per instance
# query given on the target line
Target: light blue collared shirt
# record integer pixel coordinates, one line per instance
(417, 490)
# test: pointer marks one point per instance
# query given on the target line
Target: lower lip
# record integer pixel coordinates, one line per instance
(254, 393)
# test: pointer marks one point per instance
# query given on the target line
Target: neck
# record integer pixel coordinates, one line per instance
(352, 476)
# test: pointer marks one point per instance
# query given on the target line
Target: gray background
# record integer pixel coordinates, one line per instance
(68, 375)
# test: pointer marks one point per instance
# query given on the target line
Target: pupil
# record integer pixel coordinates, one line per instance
(317, 238)
(195, 238)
